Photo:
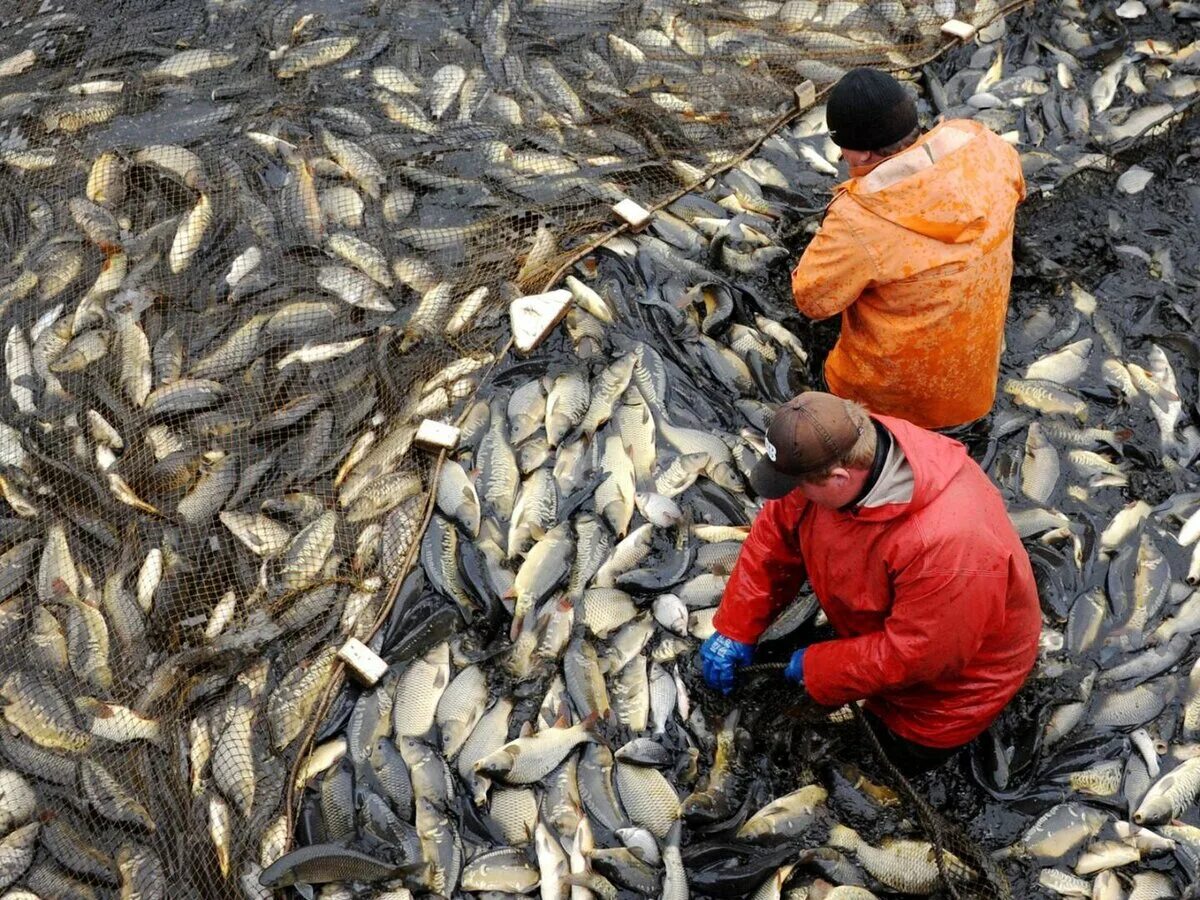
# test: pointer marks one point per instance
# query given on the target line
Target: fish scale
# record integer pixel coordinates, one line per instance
(418, 692)
(515, 810)
(498, 479)
(566, 405)
(647, 797)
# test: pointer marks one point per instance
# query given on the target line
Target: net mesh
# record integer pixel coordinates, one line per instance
(247, 248)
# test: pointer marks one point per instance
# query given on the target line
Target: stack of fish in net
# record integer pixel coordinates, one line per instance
(228, 304)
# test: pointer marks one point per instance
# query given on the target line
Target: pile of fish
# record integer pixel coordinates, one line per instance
(1079, 83)
(245, 248)
(606, 513)
(237, 276)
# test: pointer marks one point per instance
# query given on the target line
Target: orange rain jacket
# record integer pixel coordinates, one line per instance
(917, 257)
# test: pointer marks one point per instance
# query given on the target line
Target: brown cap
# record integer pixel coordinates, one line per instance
(807, 434)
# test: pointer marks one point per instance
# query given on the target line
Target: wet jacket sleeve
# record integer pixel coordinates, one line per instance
(767, 576)
(835, 269)
(937, 624)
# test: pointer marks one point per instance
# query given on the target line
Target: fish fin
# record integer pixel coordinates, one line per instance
(304, 890)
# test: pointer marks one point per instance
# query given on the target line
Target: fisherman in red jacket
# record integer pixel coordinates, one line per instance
(909, 549)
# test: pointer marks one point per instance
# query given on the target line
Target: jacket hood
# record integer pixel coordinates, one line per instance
(932, 188)
(934, 459)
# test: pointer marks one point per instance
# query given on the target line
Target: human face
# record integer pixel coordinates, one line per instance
(836, 489)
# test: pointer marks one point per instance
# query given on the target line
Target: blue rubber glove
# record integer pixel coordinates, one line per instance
(795, 667)
(720, 657)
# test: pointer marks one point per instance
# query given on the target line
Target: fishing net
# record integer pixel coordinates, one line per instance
(246, 249)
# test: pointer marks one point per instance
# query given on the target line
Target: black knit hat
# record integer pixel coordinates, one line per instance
(868, 109)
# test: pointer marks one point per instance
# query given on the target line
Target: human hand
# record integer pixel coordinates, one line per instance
(795, 667)
(720, 657)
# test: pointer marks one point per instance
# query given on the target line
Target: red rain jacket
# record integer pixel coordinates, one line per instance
(933, 601)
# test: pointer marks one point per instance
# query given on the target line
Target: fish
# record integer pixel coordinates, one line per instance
(419, 693)
(585, 681)
(37, 709)
(1170, 795)
(553, 864)
(1103, 855)
(460, 708)
(616, 496)
(1046, 397)
(648, 798)
(314, 54)
(457, 498)
(502, 869)
(903, 865)
(1065, 366)
(606, 388)
(530, 759)
(325, 864)
(545, 567)
(499, 477)
(1058, 832)
(187, 63)
(785, 817)
(1040, 468)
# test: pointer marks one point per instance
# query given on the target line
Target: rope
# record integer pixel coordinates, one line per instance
(294, 796)
(763, 668)
(924, 812)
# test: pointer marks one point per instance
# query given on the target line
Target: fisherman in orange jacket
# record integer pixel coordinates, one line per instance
(916, 254)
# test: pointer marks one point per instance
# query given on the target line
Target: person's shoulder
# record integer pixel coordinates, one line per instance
(960, 516)
(989, 138)
(845, 214)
